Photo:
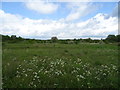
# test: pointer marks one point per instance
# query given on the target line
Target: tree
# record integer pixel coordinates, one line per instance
(118, 38)
(75, 41)
(111, 38)
(54, 39)
(13, 37)
(88, 40)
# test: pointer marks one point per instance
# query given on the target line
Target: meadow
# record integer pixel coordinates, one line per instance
(53, 65)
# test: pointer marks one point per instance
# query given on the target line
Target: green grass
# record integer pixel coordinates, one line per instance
(60, 65)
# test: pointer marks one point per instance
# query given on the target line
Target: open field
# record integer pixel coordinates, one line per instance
(60, 65)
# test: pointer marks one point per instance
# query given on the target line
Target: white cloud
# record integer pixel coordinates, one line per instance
(42, 7)
(79, 10)
(99, 25)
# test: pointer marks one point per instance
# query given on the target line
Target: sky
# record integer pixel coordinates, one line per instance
(65, 20)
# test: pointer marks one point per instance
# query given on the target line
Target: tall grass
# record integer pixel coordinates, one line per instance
(60, 66)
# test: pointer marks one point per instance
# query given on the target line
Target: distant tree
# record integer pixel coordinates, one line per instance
(20, 37)
(5, 38)
(111, 38)
(76, 41)
(88, 40)
(13, 37)
(54, 39)
(118, 38)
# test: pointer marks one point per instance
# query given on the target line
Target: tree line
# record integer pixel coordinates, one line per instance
(15, 39)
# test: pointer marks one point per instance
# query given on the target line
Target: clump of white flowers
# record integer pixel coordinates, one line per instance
(35, 71)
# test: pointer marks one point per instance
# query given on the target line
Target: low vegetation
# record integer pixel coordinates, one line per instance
(29, 63)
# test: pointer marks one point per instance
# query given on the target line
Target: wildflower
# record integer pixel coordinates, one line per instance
(82, 76)
(78, 79)
(17, 76)
(114, 67)
(104, 74)
(55, 84)
(8, 64)
(26, 75)
(35, 85)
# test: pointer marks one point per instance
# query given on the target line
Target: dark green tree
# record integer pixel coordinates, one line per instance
(118, 38)
(54, 39)
(13, 37)
(111, 38)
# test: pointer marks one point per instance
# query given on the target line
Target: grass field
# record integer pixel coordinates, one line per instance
(60, 65)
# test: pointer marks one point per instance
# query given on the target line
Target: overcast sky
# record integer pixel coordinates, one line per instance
(42, 20)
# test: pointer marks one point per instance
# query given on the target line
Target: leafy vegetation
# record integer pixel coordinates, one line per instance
(15, 39)
(29, 63)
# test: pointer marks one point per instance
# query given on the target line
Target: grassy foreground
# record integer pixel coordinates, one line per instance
(60, 65)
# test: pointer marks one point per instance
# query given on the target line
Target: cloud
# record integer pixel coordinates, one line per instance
(42, 7)
(98, 26)
(79, 10)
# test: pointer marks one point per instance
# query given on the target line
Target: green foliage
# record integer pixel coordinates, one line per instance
(88, 40)
(118, 38)
(54, 39)
(11, 39)
(15, 39)
(111, 38)
(70, 63)
(39, 65)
